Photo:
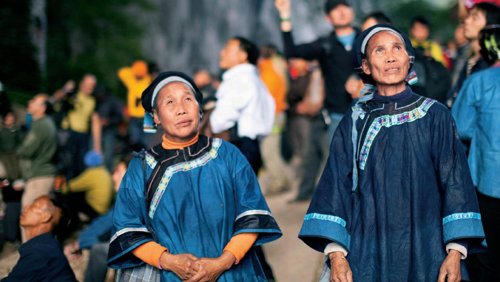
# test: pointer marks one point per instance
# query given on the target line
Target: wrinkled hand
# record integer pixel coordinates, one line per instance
(212, 268)
(340, 269)
(183, 265)
(450, 269)
(283, 7)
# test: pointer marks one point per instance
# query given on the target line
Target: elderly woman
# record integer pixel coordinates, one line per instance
(190, 207)
(395, 201)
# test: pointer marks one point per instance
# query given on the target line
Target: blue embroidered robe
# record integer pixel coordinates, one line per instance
(413, 194)
(208, 193)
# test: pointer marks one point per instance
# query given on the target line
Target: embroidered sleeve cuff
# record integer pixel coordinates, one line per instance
(457, 247)
(334, 247)
(462, 225)
(318, 230)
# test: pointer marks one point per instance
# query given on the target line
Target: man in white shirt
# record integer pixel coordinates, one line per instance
(245, 107)
(243, 101)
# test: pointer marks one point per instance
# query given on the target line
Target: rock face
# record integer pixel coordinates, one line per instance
(189, 34)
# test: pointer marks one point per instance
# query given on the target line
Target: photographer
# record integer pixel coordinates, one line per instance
(77, 111)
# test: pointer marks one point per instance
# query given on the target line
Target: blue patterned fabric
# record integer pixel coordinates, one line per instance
(207, 194)
(414, 193)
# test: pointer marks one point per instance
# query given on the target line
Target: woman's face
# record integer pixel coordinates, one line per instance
(387, 61)
(177, 112)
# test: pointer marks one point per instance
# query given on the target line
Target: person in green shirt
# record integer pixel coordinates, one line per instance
(37, 151)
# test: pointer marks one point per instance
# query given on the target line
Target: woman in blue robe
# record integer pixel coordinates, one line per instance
(476, 114)
(395, 201)
(191, 200)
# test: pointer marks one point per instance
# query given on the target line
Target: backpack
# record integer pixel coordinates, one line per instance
(434, 80)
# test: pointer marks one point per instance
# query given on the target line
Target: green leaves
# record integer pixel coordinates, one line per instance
(92, 36)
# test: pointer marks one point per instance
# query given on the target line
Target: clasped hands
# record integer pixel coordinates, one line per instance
(192, 269)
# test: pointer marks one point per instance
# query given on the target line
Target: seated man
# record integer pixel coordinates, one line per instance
(96, 236)
(91, 192)
(41, 255)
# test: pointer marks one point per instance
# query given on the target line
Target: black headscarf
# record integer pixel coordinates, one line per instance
(150, 94)
(362, 41)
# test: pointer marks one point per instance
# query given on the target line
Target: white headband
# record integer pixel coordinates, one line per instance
(166, 81)
(373, 32)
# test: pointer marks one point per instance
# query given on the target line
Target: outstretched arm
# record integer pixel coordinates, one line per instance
(308, 51)
(284, 9)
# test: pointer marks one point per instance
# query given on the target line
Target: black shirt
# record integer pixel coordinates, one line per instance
(336, 66)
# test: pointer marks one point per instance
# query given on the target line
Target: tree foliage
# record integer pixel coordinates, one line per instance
(92, 36)
(19, 68)
(443, 20)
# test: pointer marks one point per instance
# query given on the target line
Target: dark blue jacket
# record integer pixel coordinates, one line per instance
(42, 259)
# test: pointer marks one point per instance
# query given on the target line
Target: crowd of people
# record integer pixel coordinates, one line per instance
(391, 137)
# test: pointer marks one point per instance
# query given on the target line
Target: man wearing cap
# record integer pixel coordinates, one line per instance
(395, 201)
(136, 78)
(190, 207)
(333, 52)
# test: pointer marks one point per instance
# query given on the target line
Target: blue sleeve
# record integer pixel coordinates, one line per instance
(130, 228)
(253, 214)
(98, 228)
(328, 218)
(461, 217)
(464, 109)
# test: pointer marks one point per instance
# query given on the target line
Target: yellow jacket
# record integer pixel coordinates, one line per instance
(433, 49)
(78, 118)
(135, 87)
(97, 184)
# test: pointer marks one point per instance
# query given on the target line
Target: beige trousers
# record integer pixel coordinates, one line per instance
(36, 187)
